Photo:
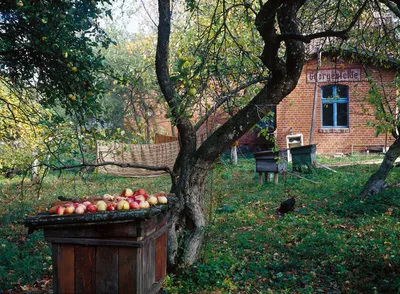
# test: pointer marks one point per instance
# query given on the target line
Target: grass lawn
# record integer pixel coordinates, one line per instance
(334, 241)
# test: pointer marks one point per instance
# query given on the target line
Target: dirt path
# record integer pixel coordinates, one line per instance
(357, 162)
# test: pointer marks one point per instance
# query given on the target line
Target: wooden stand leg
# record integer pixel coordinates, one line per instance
(260, 178)
(276, 178)
(284, 174)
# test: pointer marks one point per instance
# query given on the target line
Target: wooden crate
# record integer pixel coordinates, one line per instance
(304, 155)
(107, 252)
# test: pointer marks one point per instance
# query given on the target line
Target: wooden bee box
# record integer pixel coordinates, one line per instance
(107, 252)
(304, 155)
(269, 161)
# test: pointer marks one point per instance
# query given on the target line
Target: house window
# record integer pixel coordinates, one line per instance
(335, 106)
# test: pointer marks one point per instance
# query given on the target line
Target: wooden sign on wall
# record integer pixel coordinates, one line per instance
(335, 75)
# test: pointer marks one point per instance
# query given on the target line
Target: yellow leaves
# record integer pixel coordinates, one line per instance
(20, 126)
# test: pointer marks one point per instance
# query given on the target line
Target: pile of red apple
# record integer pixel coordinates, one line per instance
(124, 201)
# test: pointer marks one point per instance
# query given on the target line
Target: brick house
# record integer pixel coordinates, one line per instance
(341, 123)
(342, 115)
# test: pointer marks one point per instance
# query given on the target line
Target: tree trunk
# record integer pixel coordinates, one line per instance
(188, 217)
(378, 180)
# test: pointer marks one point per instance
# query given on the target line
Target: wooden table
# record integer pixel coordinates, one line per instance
(106, 252)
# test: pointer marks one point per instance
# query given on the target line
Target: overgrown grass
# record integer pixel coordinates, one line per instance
(334, 242)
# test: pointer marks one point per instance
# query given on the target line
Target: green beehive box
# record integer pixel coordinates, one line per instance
(304, 155)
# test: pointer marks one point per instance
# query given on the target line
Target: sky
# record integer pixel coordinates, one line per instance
(135, 16)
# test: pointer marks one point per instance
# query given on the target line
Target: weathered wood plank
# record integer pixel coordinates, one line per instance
(149, 264)
(85, 266)
(54, 255)
(106, 270)
(97, 242)
(110, 230)
(161, 258)
(154, 224)
(128, 266)
(66, 268)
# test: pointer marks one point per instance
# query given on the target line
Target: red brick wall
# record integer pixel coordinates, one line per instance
(295, 111)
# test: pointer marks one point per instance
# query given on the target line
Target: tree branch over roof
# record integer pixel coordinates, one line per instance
(327, 33)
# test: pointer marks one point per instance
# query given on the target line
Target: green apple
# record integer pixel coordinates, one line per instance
(192, 91)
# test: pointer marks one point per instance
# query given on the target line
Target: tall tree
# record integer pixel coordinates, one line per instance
(284, 26)
(383, 38)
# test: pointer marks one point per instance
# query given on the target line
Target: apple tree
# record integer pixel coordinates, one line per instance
(50, 55)
(278, 31)
(375, 42)
(384, 97)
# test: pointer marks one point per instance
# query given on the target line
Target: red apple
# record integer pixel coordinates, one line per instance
(110, 206)
(53, 209)
(141, 191)
(101, 205)
(140, 197)
(162, 200)
(83, 206)
(69, 210)
(87, 203)
(60, 210)
(127, 193)
(92, 208)
(123, 205)
(80, 209)
(152, 200)
(134, 205)
(144, 204)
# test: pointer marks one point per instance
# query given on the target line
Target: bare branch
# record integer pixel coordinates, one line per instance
(328, 33)
(224, 98)
(120, 164)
